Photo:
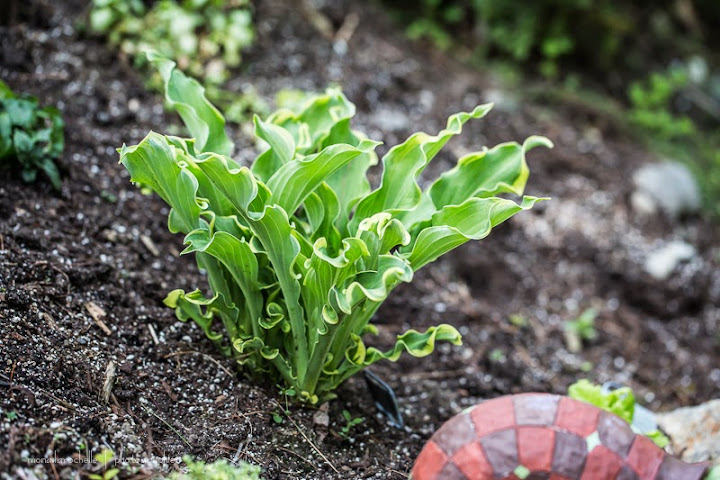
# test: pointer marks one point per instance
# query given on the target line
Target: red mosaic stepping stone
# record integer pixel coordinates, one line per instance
(544, 437)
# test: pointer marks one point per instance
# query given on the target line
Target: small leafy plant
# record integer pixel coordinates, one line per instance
(652, 105)
(350, 423)
(218, 470)
(299, 250)
(206, 37)
(582, 328)
(286, 393)
(104, 458)
(621, 402)
(30, 137)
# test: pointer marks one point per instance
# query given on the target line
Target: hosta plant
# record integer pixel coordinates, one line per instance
(299, 250)
(31, 137)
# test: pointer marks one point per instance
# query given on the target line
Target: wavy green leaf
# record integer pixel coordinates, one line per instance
(275, 234)
(389, 232)
(312, 122)
(350, 182)
(374, 285)
(295, 180)
(154, 162)
(281, 149)
(239, 260)
(456, 224)
(404, 163)
(322, 208)
(205, 123)
(484, 174)
(238, 185)
(415, 343)
(190, 306)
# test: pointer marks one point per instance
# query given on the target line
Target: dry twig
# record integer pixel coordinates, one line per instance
(396, 472)
(150, 245)
(110, 372)
(96, 312)
(347, 29)
(167, 425)
(314, 447)
(316, 18)
(153, 334)
(298, 456)
(50, 321)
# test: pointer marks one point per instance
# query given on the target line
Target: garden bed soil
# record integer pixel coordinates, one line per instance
(101, 243)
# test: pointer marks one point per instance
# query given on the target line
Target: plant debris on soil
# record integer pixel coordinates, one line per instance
(90, 358)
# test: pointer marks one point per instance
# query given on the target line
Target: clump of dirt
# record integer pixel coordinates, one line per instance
(101, 241)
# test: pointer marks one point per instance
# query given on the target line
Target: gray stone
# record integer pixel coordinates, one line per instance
(668, 186)
(694, 431)
(661, 263)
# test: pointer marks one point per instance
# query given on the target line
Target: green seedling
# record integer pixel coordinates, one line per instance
(582, 328)
(106, 475)
(218, 470)
(350, 422)
(497, 356)
(518, 320)
(652, 105)
(208, 36)
(104, 457)
(286, 393)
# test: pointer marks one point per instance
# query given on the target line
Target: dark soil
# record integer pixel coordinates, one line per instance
(101, 241)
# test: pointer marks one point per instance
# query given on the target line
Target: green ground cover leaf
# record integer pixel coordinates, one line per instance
(31, 137)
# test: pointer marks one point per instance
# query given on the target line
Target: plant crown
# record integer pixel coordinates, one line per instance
(299, 250)
(30, 135)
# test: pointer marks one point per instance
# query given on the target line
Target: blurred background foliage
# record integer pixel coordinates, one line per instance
(657, 59)
(608, 38)
(205, 37)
